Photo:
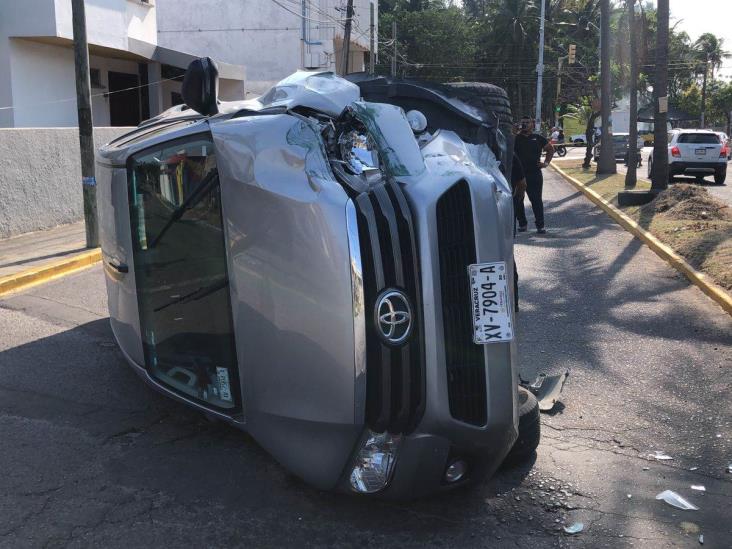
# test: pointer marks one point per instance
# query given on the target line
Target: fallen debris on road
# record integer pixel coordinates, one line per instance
(675, 500)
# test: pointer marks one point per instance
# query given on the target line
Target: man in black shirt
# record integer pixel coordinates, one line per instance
(529, 147)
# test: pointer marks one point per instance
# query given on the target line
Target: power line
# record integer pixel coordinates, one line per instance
(300, 15)
(244, 29)
(103, 94)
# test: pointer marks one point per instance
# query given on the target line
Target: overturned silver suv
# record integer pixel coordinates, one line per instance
(330, 274)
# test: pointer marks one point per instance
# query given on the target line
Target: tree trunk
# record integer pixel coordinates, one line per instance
(702, 116)
(631, 176)
(589, 138)
(659, 177)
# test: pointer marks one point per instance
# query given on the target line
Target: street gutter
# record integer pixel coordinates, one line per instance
(699, 279)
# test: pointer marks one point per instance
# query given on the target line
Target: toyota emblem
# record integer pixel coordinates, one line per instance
(393, 317)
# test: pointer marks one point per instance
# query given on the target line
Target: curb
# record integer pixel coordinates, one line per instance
(699, 279)
(49, 271)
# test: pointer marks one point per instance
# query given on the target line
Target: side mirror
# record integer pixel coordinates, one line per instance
(200, 87)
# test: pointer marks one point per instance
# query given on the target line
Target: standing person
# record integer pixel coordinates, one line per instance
(529, 147)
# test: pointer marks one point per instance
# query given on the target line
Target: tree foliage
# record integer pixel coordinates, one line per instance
(497, 41)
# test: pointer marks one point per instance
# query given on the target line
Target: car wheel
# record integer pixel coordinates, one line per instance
(720, 176)
(529, 433)
(494, 101)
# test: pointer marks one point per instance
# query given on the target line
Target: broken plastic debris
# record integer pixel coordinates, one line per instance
(660, 456)
(548, 389)
(693, 468)
(698, 487)
(729, 468)
(701, 539)
(574, 528)
(675, 500)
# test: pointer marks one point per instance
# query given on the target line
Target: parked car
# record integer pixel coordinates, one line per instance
(725, 140)
(327, 273)
(620, 146)
(695, 152)
(578, 139)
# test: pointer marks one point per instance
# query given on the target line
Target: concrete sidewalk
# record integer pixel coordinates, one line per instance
(35, 257)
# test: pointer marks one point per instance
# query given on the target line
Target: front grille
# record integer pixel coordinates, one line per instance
(464, 359)
(395, 381)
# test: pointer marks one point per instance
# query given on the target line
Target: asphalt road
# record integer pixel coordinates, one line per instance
(723, 192)
(93, 458)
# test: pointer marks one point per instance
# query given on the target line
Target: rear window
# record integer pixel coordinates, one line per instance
(702, 138)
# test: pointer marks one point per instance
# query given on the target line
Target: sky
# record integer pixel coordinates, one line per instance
(700, 16)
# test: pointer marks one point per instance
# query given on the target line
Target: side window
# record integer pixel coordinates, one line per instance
(180, 270)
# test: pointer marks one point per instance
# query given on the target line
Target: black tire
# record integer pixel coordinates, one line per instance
(529, 429)
(495, 102)
(720, 176)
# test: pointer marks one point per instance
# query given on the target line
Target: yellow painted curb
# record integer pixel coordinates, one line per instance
(716, 292)
(49, 271)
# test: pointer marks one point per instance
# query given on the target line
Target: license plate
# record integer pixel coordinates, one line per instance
(700, 151)
(491, 303)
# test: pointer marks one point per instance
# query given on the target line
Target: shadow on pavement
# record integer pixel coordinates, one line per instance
(99, 453)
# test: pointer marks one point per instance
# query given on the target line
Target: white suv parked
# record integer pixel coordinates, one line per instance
(695, 152)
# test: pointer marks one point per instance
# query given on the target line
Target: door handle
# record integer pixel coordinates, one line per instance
(119, 267)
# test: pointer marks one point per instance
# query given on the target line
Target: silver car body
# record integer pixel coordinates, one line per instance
(296, 260)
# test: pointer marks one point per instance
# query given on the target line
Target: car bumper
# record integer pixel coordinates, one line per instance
(679, 168)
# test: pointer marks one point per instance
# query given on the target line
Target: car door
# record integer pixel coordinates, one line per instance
(180, 270)
(699, 147)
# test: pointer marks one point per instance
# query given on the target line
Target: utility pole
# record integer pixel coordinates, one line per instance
(372, 49)
(86, 131)
(659, 176)
(606, 164)
(347, 36)
(394, 58)
(559, 91)
(540, 70)
(631, 175)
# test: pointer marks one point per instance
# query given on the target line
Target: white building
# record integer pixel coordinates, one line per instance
(38, 88)
(270, 38)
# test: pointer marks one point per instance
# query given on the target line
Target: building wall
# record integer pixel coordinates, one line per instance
(43, 84)
(40, 177)
(38, 78)
(110, 22)
(263, 36)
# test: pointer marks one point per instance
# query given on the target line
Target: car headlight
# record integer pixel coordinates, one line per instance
(374, 463)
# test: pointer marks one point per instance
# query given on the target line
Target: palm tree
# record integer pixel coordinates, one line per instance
(711, 54)
(630, 176)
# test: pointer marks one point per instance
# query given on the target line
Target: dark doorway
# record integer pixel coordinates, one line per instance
(124, 106)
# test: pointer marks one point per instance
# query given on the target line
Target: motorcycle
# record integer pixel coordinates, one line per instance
(560, 149)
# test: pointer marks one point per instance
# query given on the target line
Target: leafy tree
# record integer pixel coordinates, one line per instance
(710, 54)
